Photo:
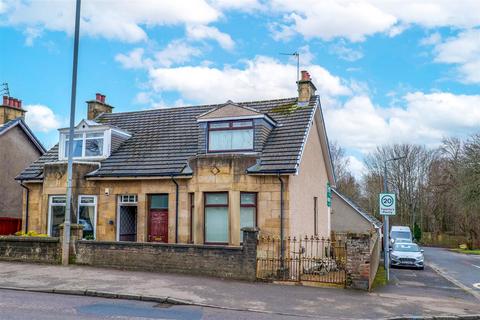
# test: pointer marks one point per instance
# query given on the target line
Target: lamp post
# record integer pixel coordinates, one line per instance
(68, 202)
(386, 235)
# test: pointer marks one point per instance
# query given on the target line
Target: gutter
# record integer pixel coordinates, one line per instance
(26, 204)
(176, 209)
(282, 245)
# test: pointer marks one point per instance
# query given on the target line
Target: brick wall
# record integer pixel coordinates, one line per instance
(358, 261)
(30, 249)
(217, 261)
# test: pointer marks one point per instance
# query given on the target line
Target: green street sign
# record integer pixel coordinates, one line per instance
(387, 204)
(329, 195)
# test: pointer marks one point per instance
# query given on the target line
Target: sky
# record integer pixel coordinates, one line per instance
(386, 71)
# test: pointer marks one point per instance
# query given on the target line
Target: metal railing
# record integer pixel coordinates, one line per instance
(306, 259)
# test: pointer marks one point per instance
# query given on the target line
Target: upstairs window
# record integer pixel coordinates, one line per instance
(230, 136)
(86, 145)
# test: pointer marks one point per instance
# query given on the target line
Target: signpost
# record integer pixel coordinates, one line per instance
(329, 195)
(387, 209)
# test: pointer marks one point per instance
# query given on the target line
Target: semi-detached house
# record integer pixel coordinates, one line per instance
(191, 174)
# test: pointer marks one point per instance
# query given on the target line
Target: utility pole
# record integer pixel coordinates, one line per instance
(386, 228)
(68, 207)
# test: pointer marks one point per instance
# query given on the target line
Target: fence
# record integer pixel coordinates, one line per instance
(10, 225)
(306, 259)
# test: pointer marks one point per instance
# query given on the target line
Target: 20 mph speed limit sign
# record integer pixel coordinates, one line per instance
(387, 204)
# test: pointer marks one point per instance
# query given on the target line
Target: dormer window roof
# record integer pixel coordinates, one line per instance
(91, 140)
(233, 111)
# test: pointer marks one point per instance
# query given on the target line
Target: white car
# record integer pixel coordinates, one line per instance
(406, 255)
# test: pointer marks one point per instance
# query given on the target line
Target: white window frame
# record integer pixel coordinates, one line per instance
(106, 144)
(50, 204)
(120, 203)
(94, 205)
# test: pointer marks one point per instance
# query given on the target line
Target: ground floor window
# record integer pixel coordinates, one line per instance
(87, 215)
(56, 214)
(216, 218)
(248, 211)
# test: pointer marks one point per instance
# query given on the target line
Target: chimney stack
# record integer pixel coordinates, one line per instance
(306, 88)
(97, 106)
(10, 109)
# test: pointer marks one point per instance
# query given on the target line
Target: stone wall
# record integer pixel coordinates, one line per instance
(233, 262)
(358, 261)
(30, 249)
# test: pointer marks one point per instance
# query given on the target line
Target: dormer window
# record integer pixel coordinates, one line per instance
(91, 141)
(230, 136)
(86, 145)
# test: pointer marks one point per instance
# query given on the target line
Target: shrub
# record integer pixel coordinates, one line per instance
(30, 234)
(417, 232)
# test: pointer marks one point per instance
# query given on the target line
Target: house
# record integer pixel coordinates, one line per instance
(347, 216)
(190, 174)
(18, 148)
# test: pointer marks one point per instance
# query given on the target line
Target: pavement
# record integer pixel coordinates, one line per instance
(462, 269)
(411, 293)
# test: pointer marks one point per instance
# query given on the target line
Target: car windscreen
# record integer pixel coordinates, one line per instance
(400, 235)
(406, 247)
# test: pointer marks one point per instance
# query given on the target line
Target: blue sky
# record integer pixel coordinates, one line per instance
(386, 71)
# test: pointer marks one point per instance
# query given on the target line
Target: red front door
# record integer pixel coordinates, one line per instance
(158, 229)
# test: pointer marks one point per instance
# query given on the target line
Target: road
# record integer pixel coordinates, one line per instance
(461, 268)
(47, 306)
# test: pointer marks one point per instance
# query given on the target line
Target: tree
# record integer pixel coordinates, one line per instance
(345, 181)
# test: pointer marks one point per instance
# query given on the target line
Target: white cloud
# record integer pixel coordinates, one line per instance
(41, 118)
(423, 118)
(201, 32)
(464, 51)
(241, 5)
(261, 78)
(132, 60)
(176, 52)
(432, 39)
(341, 50)
(31, 34)
(356, 20)
(123, 20)
(356, 167)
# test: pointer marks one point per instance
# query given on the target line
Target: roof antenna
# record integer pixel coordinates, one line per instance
(4, 89)
(297, 55)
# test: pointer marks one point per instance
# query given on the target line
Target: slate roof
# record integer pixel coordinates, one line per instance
(21, 123)
(376, 223)
(163, 140)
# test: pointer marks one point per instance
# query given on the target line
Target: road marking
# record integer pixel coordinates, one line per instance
(454, 281)
(477, 285)
(476, 266)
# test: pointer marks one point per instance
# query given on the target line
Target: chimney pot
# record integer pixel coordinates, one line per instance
(5, 100)
(15, 102)
(98, 97)
(10, 102)
(103, 98)
(20, 104)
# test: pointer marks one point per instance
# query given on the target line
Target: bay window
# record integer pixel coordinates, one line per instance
(216, 218)
(248, 211)
(230, 136)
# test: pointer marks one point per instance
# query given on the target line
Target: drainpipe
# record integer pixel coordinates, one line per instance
(176, 209)
(282, 245)
(26, 205)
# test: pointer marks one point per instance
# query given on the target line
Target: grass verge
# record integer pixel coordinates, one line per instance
(467, 251)
(380, 279)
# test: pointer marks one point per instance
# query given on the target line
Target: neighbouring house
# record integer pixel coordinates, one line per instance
(347, 216)
(189, 174)
(18, 148)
